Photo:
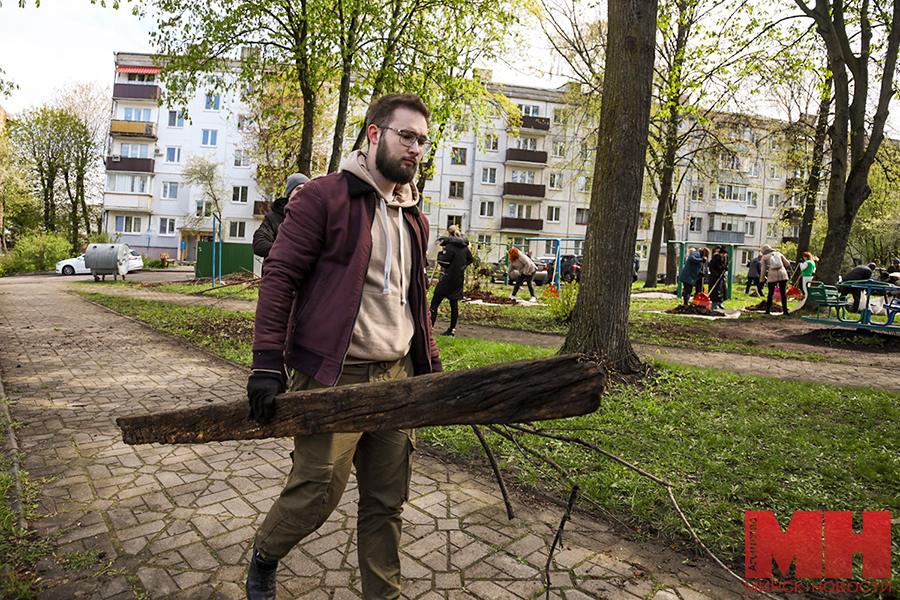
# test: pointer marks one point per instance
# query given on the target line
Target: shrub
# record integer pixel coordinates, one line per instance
(39, 252)
(561, 302)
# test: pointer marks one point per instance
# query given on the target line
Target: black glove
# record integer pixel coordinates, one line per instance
(262, 387)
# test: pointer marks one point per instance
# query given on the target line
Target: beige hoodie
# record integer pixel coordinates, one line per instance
(384, 326)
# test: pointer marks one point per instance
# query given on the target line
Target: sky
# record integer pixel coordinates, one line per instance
(74, 41)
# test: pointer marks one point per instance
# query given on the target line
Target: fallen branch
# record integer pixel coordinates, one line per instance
(529, 390)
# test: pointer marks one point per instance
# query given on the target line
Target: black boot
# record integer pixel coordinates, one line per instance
(261, 578)
(450, 332)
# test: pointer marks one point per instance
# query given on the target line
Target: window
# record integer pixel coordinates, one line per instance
(583, 184)
(696, 224)
(578, 247)
(209, 137)
(242, 121)
(491, 143)
(774, 200)
(559, 149)
(794, 201)
(773, 230)
(129, 184)
(241, 158)
(457, 189)
(726, 223)
(746, 256)
(204, 208)
(213, 102)
(128, 225)
(487, 209)
(134, 150)
(529, 110)
(518, 242)
(556, 181)
(489, 175)
(549, 247)
(752, 199)
(519, 211)
(484, 241)
(454, 220)
(750, 228)
(166, 226)
(645, 221)
(176, 119)
(141, 78)
(697, 194)
(237, 229)
(553, 214)
(774, 172)
(137, 114)
(458, 156)
(730, 162)
(169, 190)
(173, 155)
(523, 176)
(559, 116)
(734, 193)
(581, 216)
(239, 194)
(585, 152)
(526, 143)
(753, 171)
(426, 205)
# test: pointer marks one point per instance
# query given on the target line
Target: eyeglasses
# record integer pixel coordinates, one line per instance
(408, 138)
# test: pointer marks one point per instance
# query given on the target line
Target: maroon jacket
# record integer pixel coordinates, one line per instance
(322, 253)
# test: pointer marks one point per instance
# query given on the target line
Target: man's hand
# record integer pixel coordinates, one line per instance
(262, 387)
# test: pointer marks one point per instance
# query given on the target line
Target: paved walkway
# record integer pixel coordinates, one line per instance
(175, 522)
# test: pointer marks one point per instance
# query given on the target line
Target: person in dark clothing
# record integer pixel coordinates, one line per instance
(753, 273)
(692, 272)
(453, 260)
(858, 273)
(637, 266)
(264, 236)
(718, 264)
(895, 266)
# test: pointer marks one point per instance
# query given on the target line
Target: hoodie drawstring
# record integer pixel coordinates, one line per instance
(386, 290)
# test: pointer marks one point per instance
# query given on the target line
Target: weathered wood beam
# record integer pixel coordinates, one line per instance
(526, 390)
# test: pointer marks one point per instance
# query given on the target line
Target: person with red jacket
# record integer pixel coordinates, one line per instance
(343, 301)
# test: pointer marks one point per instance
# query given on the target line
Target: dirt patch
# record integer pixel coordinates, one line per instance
(488, 297)
(694, 309)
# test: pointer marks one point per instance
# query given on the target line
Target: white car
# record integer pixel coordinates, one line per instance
(75, 266)
(135, 262)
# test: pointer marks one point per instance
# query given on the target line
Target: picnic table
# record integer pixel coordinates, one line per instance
(831, 297)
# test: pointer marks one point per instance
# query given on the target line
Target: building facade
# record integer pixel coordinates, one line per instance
(146, 203)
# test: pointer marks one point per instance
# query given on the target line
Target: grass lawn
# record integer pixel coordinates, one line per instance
(728, 443)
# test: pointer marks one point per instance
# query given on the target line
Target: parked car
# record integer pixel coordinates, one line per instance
(75, 266)
(550, 261)
(135, 262)
(570, 268)
(541, 273)
(72, 266)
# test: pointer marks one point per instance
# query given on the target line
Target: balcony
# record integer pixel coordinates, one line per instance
(536, 123)
(527, 190)
(133, 129)
(127, 202)
(729, 207)
(115, 162)
(527, 224)
(725, 237)
(530, 157)
(135, 91)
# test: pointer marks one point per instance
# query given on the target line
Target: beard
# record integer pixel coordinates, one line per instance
(394, 169)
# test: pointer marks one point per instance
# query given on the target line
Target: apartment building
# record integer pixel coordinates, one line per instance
(146, 203)
(530, 185)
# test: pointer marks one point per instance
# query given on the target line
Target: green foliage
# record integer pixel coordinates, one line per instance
(561, 302)
(19, 548)
(38, 252)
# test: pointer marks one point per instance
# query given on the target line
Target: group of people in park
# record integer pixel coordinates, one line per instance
(711, 267)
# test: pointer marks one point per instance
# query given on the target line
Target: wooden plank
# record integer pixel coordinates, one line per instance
(528, 390)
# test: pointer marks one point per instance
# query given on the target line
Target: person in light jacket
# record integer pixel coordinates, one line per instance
(775, 273)
(520, 262)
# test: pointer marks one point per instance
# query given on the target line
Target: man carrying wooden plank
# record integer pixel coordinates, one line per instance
(343, 301)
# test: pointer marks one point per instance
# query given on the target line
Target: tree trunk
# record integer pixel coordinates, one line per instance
(340, 123)
(815, 173)
(527, 390)
(600, 317)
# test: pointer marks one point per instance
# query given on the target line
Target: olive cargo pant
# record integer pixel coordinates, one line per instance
(383, 462)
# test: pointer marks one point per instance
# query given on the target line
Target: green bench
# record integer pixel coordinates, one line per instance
(827, 297)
